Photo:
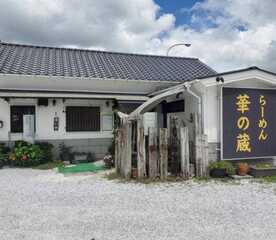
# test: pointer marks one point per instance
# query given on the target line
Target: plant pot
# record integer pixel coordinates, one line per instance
(243, 169)
(134, 173)
(218, 173)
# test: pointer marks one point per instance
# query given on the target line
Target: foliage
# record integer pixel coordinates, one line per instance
(50, 165)
(91, 157)
(269, 179)
(25, 155)
(230, 169)
(264, 165)
(47, 149)
(108, 161)
(65, 153)
(3, 155)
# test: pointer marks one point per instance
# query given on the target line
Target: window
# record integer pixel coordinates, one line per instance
(79, 119)
(17, 113)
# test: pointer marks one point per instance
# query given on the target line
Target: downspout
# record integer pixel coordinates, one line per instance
(187, 85)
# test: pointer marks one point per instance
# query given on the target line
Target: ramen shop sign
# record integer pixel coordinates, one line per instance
(248, 123)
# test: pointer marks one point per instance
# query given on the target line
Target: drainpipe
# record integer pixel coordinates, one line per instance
(187, 85)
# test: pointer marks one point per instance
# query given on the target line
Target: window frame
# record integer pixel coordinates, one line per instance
(79, 128)
(20, 129)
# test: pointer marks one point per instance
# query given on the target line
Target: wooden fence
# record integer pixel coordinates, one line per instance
(148, 156)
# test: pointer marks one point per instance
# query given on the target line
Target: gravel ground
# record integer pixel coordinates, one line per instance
(44, 205)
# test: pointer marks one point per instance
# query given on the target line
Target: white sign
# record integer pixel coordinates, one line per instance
(150, 120)
(107, 121)
(28, 128)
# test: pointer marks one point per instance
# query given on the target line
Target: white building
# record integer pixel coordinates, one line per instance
(72, 92)
(204, 95)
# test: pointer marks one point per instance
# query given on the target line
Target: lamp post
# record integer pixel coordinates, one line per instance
(177, 44)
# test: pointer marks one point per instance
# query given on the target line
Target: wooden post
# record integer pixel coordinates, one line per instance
(198, 145)
(163, 148)
(127, 150)
(205, 155)
(141, 152)
(153, 156)
(185, 157)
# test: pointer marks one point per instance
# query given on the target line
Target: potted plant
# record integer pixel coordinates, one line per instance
(221, 169)
(243, 169)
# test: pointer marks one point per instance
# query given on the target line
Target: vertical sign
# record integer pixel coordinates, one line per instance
(248, 123)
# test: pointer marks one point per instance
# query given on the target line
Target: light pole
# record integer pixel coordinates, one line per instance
(178, 44)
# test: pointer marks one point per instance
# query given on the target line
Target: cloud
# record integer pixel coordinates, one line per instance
(225, 34)
(121, 25)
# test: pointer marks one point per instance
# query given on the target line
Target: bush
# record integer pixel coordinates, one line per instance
(230, 169)
(47, 149)
(25, 155)
(91, 157)
(65, 153)
(3, 155)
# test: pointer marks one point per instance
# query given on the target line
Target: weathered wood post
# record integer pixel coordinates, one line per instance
(205, 155)
(198, 145)
(201, 148)
(153, 154)
(185, 156)
(141, 152)
(127, 150)
(163, 148)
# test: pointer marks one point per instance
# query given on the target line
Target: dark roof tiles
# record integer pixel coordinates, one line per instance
(49, 61)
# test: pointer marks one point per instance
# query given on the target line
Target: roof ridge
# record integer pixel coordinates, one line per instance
(99, 51)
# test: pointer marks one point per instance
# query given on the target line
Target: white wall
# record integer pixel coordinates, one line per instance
(81, 84)
(45, 117)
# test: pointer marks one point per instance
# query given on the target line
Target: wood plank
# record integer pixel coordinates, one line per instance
(163, 148)
(141, 152)
(205, 155)
(128, 150)
(153, 154)
(185, 157)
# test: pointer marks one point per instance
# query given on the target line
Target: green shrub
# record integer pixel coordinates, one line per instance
(26, 155)
(264, 165)
(65, 153)
(3, 155)
(91, 157)
(47, 149)
(230, 169)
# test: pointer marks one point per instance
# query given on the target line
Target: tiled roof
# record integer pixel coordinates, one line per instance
(49, 61)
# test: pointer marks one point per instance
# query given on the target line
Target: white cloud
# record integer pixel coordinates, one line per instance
(225, 34)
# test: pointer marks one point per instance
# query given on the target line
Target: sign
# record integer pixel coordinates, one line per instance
(150, 121)
(28, 128)
(107, 122)
(248, 123)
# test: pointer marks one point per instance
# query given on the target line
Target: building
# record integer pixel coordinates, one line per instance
(72, 93)
(236, 109)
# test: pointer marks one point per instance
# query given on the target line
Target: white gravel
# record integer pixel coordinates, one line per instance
(44, 205)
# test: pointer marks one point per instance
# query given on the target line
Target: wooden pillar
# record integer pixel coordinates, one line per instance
(185, 156)
(163, 148)
(201, 149)
(205, 155)
(127, 150)
(153, 154)
(198, 145)
(141, 152)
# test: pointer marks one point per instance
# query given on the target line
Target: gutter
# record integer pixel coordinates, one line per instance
(188, 85)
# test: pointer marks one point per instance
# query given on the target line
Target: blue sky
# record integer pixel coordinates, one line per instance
(175, 7)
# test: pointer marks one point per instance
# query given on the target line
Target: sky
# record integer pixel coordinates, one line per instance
(225, 34)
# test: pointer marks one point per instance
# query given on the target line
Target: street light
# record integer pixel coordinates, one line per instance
(178, 44)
